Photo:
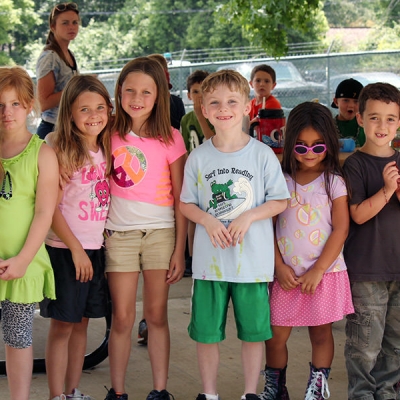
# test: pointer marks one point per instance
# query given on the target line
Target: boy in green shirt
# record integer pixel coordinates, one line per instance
(195, 128)
(346, 100)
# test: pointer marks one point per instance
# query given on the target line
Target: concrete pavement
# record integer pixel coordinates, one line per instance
(184, 382)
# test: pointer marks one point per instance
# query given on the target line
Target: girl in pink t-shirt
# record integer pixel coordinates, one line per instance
(311, 286)
(75, 242)
(145, 228)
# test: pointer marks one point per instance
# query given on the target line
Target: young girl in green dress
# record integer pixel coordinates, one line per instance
(28, 193)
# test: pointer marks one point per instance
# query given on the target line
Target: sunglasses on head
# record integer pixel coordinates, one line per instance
(316, 149)
(64, 7)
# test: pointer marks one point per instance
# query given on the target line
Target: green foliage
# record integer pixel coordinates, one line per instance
(268, 22)
(384, 39)
(362, 13)
(17, 24)
(113, 32)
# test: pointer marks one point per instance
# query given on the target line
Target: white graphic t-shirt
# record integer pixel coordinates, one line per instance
(225, 185)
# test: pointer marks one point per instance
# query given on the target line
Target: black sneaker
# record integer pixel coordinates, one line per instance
(111, 395)
(142, 333)
(159, 395)
(201, 396)
(251, 396)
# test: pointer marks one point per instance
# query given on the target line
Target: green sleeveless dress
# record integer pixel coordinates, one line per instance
(17, 207)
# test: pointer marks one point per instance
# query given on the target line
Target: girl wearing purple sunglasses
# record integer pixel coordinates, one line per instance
(311, 286)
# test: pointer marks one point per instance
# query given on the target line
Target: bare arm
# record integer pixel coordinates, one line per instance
(45, 203)
(83, 265)
(284, 273)
(361, 213)
(45, 90)
(333, 246)
(177, 264)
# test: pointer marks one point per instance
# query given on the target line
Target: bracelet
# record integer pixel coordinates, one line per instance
(384, 193)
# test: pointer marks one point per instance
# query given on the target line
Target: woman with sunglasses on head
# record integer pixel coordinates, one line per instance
(311, 286)
(56, 64)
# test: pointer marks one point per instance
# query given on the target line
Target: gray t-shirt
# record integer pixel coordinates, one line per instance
(48, 61)
(372, 249)
(225, 185)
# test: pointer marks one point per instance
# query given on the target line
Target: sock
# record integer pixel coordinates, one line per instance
(212, 396)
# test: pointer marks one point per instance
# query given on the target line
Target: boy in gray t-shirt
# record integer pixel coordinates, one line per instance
(233, 186)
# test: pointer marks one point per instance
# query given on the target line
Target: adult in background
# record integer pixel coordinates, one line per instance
(56, 64)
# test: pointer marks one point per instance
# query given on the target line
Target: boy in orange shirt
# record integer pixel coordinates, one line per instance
(263, 81)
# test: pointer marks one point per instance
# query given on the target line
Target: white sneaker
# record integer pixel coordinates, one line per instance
(76, 394)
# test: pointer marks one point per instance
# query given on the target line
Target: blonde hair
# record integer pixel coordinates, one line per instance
(69, 141)
(158, 125)
(18, 79)
(229, 78)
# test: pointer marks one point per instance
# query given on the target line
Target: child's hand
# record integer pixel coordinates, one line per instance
(83, 265)
(12, 268)
(217, 232)
(390, 177)
(238, 228)
(176, 268)
(286, 277)
(310, 280)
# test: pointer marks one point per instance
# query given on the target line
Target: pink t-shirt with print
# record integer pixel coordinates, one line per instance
(141, 168)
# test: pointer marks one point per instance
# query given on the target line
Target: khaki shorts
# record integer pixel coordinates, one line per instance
(132, 251)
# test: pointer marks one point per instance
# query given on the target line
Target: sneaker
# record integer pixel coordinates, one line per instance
(202, 396)
(159, 395)
(76, 394)
(60, 397)
(142, 332)
(397, 390)
(250, 396)
(111, 395)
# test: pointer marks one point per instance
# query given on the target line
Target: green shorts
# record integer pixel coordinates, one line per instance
(210, 301)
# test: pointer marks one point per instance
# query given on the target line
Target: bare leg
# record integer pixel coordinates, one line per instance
(76, 355)
(123, 288)
(276, 352)
(57, 355)
(252, 354)
(322, 345)
(208, 359)
(156, 312)
(19, 364)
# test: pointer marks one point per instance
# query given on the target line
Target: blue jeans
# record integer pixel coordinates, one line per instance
(44, 128)
(372, 349)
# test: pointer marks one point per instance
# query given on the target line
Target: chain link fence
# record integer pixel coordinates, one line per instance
(299, 78)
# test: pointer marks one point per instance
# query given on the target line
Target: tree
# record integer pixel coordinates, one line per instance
(17, 23)
(267, 22)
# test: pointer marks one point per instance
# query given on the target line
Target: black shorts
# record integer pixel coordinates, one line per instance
(75, 299)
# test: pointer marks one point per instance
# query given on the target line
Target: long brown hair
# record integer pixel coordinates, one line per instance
(158, 125)
(17, 78)
(51, 42)
(318, 117)
(69, 142)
